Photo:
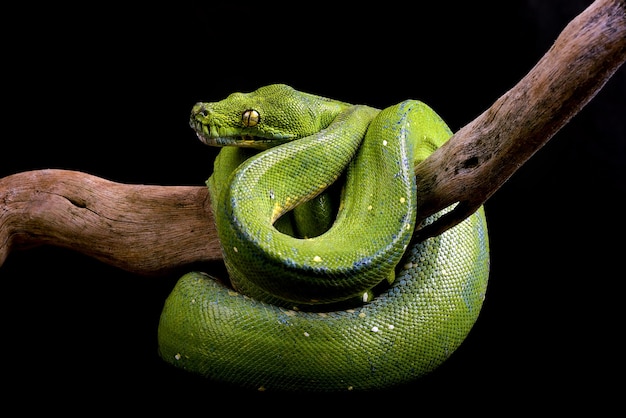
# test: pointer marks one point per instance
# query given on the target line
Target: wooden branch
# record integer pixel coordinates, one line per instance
(481, 156)
(155, 229)
(148, 230)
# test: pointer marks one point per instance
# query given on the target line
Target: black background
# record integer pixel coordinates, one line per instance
(107, 90)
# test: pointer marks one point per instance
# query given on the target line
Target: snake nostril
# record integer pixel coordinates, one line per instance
(200, 109)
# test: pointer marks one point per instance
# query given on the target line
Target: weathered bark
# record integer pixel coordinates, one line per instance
(482, 155)
(154, 229)
(143, 229)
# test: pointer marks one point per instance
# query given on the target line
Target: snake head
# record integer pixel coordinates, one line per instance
(269, 116)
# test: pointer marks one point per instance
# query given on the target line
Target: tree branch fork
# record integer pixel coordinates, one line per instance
(151, 230)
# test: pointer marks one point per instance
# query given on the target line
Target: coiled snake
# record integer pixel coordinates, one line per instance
(314, 201)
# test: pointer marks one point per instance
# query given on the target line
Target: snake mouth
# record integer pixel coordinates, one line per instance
(247, 141)
(215, 137)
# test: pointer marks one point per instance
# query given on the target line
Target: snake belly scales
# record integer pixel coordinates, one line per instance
(314, 202)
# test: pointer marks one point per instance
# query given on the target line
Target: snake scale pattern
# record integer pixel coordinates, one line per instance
(314, 201)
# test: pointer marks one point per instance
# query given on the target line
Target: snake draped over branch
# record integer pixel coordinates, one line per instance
(315, 206)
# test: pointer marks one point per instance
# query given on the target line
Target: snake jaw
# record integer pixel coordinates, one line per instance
(212, 136)
(244, 141)
(215, 137)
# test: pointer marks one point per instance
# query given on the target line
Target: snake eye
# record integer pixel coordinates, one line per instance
(250, 118)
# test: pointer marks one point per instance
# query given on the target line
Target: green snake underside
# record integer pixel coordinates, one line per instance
(314, 201)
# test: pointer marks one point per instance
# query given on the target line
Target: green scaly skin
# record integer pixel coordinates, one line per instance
(355, 305)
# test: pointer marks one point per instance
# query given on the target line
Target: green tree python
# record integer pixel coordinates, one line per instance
(314, 202)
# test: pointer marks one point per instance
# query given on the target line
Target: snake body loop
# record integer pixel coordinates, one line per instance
(297, 317)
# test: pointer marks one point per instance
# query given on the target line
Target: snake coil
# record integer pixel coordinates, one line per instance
(323, 296)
